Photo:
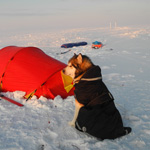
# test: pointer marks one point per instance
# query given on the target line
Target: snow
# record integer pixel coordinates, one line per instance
(42, 122)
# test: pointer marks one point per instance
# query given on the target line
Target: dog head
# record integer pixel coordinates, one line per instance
(78, 65)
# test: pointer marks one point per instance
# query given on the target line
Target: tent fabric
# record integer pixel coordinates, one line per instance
(70, 45)
(29, 69)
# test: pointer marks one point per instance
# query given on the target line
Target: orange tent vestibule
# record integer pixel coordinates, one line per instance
(29, 69)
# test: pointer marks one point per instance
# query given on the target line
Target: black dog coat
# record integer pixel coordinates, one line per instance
(99, 117)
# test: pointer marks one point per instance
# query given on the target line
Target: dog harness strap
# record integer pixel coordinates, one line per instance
(91, 79)
(101, 99)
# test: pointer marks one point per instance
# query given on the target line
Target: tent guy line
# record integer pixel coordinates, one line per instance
(10, 100)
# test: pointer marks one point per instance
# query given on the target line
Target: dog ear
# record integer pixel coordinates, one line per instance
(75, 54)
(79, 58)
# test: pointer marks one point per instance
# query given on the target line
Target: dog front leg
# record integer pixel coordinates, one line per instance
(77, 108)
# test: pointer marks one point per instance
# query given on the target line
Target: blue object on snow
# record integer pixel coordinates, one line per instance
(97, 43)
(70, 45)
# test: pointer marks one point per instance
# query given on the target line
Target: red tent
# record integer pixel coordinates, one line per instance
(29, 69)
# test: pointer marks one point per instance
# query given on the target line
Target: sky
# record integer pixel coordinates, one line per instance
(38, 15)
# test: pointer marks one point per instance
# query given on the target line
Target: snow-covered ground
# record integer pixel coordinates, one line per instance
(125, 64)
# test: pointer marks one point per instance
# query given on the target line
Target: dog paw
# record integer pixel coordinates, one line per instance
(71, 124)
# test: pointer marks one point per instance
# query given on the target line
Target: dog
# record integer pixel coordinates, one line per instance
(95, 111)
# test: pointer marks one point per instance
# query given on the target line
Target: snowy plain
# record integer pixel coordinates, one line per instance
(125, 64)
